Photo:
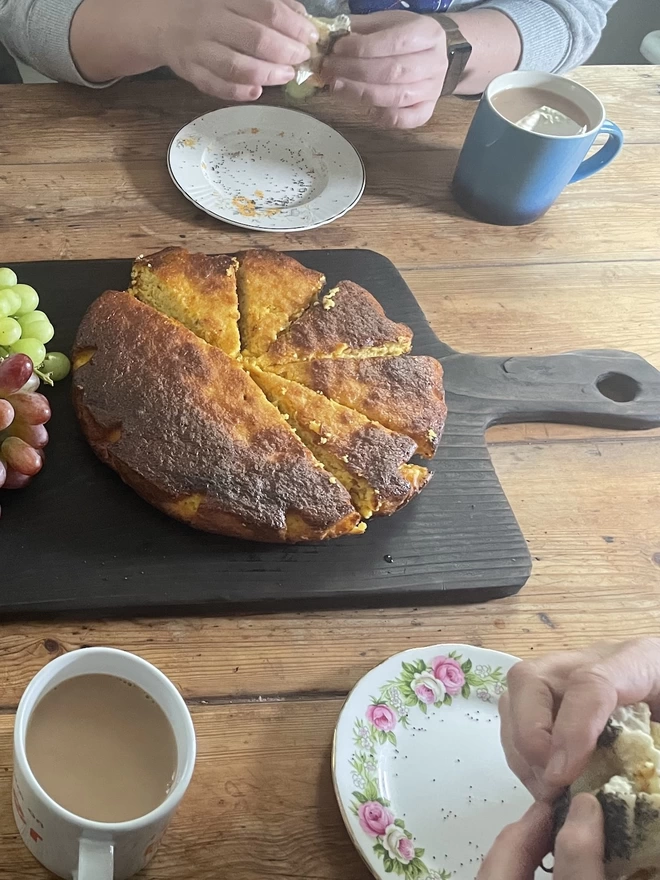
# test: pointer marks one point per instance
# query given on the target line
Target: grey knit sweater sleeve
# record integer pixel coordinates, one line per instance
(556, 34)
(37, 32)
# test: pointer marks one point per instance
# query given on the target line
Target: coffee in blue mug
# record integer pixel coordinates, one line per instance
(528, 140)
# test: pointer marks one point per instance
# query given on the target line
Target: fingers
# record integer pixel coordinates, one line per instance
(405, 117)
(243, 70)
(580, 845)
(253, 38)
(391, 63)
(530, 777)
(419, 35)
(534, 695)
(587, 704)
(520, 848)
(626, 675)
(388, 71)
(297, 7)
(288, 19)
(531, 707)
(391, 96)
(210, 84)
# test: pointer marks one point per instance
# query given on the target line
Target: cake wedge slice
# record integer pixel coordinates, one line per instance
(197, 290)
(347, 322)
(405, 394)
(368, 459)
(273, 290)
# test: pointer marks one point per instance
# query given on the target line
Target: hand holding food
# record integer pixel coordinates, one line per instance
(227, 48)
(393, 62)
(232, 50)
(557, 707)
(308, 75)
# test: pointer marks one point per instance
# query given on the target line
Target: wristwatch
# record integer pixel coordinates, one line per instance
(458, 53)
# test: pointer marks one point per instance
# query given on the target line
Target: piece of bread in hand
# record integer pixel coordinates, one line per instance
(624, 774)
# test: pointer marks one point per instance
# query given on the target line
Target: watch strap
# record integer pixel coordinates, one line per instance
(458, 53)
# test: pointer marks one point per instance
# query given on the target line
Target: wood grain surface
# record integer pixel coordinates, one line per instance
(82, 175)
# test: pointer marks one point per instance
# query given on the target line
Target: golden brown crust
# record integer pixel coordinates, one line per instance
(367, 458)
(405, 394)
(189, 430)
(196, 289)
(273, 290)
(347, 322)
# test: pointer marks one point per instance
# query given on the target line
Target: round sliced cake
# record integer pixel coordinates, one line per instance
(230, 393)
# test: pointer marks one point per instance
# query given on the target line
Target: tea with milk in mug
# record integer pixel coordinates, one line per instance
(102, 748)
(541, 111)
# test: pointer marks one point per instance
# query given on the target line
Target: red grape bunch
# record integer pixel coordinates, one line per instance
(23, 417)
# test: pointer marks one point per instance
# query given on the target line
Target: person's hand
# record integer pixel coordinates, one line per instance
(579, 847)
(557, 706)
(231, 49)
(394, 63)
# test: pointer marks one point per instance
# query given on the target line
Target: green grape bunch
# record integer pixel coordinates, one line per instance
(24, 329)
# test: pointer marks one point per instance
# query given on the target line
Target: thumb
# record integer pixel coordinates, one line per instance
(626, 675)
(518, 851)
(580, 846)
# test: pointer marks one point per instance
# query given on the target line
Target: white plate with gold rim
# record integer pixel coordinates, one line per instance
(419, 772)
(266, 168)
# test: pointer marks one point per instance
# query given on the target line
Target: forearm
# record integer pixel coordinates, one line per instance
(556, 35)
(496, 47)
(110, 39)
(37, 32)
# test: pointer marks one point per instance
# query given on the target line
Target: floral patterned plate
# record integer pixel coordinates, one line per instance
(418, 769)
(266, 168)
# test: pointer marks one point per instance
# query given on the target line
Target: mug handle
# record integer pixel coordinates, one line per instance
(604, 156)
(95, 860)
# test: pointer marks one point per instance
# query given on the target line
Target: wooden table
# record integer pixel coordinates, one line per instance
(82, 174)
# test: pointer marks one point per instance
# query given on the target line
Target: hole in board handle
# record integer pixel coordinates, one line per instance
(618, 387)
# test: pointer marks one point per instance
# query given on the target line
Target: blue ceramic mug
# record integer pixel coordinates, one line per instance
(510, 176)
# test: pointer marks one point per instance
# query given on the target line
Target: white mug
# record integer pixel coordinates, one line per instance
(68, 845)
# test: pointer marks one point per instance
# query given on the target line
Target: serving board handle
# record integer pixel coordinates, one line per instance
(601, 388)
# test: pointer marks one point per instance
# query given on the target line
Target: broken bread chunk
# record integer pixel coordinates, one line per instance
(308, 79)
(273, 290)
(370, 461)
(347, 322)
(624, 774)
(197, 290)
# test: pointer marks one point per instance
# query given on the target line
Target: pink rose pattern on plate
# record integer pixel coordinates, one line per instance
(374, 818)
(381, 716)
(423, 686)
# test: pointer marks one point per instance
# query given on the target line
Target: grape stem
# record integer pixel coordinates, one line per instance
(45, 377)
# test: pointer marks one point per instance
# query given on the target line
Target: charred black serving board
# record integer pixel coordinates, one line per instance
(80, 541)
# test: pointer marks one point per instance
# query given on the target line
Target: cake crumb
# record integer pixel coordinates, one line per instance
(328, 300)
